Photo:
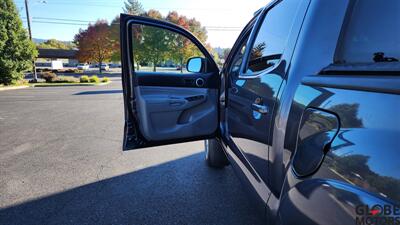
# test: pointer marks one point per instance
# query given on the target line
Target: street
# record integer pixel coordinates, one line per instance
(61, 162)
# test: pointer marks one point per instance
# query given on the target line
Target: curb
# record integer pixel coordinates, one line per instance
(70, 85)
(13, 88)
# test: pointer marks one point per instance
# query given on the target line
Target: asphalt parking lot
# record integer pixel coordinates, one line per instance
(61, 163)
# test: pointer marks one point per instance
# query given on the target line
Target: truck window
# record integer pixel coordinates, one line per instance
(272, 36)
(371, 33)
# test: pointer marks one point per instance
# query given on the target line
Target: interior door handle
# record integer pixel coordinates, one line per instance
(176, 102)
(263, 109)
(195, 98)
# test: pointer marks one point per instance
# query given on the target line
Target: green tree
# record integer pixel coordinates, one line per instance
(55, 44)
(114, 36)
(348, 115)
(153, 45)
(133, 7)
(16, 50)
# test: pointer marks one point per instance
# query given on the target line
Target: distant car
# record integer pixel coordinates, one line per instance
(82, 66)
(105, 67)
(115, 65)
(179, 67)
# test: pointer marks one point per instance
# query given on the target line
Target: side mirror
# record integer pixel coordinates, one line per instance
(195, 64)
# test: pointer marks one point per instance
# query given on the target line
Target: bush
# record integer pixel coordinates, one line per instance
(73, 71)
(69, 71)
(94, 79)
(105, 79)
(48, 76)
(18, 83)
(84, 79)
(63, 79)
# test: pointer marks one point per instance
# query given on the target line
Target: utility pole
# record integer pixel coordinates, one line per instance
(30, 37)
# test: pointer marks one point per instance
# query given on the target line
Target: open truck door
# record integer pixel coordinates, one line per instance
(170, 84)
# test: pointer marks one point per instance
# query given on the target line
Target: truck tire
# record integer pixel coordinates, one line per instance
(215, 156)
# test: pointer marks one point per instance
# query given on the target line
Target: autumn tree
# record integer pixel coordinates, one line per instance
(179, 46)
(94, 43)
(133, 7)
(155, 45)
(16, 50)
(257, 51)
(182, 48)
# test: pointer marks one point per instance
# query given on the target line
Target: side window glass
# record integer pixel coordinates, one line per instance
(162, 51)
(272, 36)
(371, 39)
(238, 58)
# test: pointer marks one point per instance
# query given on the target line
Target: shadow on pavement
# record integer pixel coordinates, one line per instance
(77, 75)
(183, 191)
(99, 92)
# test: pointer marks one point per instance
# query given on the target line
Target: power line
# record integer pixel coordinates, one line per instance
(84, 24)
(60, 23)
(63, 21)
(92, 21)
(149, 7)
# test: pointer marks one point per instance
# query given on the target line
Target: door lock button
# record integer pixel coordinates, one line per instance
(200, 82)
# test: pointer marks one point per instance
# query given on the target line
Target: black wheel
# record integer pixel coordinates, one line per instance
(215, 156)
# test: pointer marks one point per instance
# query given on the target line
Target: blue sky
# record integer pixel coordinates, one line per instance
(231, 15)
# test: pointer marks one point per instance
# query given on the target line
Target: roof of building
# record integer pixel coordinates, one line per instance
(57, 53)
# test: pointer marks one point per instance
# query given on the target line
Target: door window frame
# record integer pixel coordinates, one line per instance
(243, 37)
(250, 42)
(241, 43)
(138, 20)
(132, 136)
(288, 50)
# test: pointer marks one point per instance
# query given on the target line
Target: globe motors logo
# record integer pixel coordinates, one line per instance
(378, 215)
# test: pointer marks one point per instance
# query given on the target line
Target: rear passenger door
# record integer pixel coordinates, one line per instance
(345, 166)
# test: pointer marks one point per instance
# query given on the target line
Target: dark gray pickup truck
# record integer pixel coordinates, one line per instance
(306, 108)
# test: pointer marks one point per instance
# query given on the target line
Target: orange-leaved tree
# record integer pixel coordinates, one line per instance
(94, 43)
(182, 47)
